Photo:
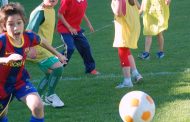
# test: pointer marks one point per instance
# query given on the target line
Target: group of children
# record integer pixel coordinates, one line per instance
(17, 44)
(127, 30)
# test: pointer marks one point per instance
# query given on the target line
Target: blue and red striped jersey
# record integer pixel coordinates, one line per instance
(13, 75)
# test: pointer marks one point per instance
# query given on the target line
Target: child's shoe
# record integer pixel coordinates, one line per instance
(160, 55)
(54, 101)
(144, 56)
(138, 78)
(94, 72)
(124, 84)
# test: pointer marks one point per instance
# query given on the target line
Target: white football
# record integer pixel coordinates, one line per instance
(136, 106)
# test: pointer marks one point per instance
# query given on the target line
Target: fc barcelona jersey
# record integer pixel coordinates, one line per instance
(13, 75)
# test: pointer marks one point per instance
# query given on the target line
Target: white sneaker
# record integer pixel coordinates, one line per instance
(124, 84)
(138, 78)
(54, 101)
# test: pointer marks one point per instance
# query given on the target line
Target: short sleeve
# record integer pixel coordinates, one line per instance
(31, 39)
(35, 21)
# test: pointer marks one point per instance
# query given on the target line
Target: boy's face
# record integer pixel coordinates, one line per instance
(15, 26)
(50, 3)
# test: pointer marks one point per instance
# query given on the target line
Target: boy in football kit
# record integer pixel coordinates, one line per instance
(42, 21)
(70, 15)
(14, 79)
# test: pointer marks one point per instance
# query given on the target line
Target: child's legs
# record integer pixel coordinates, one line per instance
(34, 103)
(160, 39)
(53, 80)
(56, 67)
(124, 61)
(28, 94)
(132, 62)
(43, 65)
(47, 65)
(43, 84)
(84, 49)
(148, 42)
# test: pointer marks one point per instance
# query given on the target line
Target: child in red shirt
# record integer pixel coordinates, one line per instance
(70, 15)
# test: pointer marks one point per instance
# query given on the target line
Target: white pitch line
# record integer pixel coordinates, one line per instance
(103, 76)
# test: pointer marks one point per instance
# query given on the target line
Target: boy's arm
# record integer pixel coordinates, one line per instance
(67, 25)
(116, 6)
(45, 45)
(35, 21)
(12, 57)
(143, 6)
(88, 23)
(167, 2)
(4, 60)
(137, 4)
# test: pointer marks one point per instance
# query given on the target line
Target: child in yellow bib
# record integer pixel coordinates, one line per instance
(155, 21)
(127, 31)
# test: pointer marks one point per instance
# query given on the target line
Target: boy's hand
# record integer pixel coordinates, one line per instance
(14, 57)
(73, 31)
(167, 2)
(62, 58)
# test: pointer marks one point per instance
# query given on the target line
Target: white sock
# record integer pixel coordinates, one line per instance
(135, 72)
(127, 80)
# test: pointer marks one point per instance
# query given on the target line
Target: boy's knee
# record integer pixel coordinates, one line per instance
(38, 110)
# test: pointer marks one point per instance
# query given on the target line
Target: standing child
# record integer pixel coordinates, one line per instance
(70, 15)
(14, 79)
(42, 21)
(127, 30)
(155, 21)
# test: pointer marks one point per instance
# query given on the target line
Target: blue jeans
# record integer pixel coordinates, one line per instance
(81, 43)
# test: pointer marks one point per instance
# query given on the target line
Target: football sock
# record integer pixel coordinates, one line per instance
(53, 80)
(42, 85)
(34, 119)
(127, 80)
(4, 119)
(135, 72)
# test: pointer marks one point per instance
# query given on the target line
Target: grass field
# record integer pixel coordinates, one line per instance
(94, 98)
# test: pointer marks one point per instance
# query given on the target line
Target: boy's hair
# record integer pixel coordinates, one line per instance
(9, 10)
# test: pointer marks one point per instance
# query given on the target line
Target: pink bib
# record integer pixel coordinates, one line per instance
(124, 7)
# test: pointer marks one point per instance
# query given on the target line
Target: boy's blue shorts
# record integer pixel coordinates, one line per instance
(23, 91)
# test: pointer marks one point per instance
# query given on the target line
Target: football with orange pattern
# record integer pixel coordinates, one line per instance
(136, 106)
